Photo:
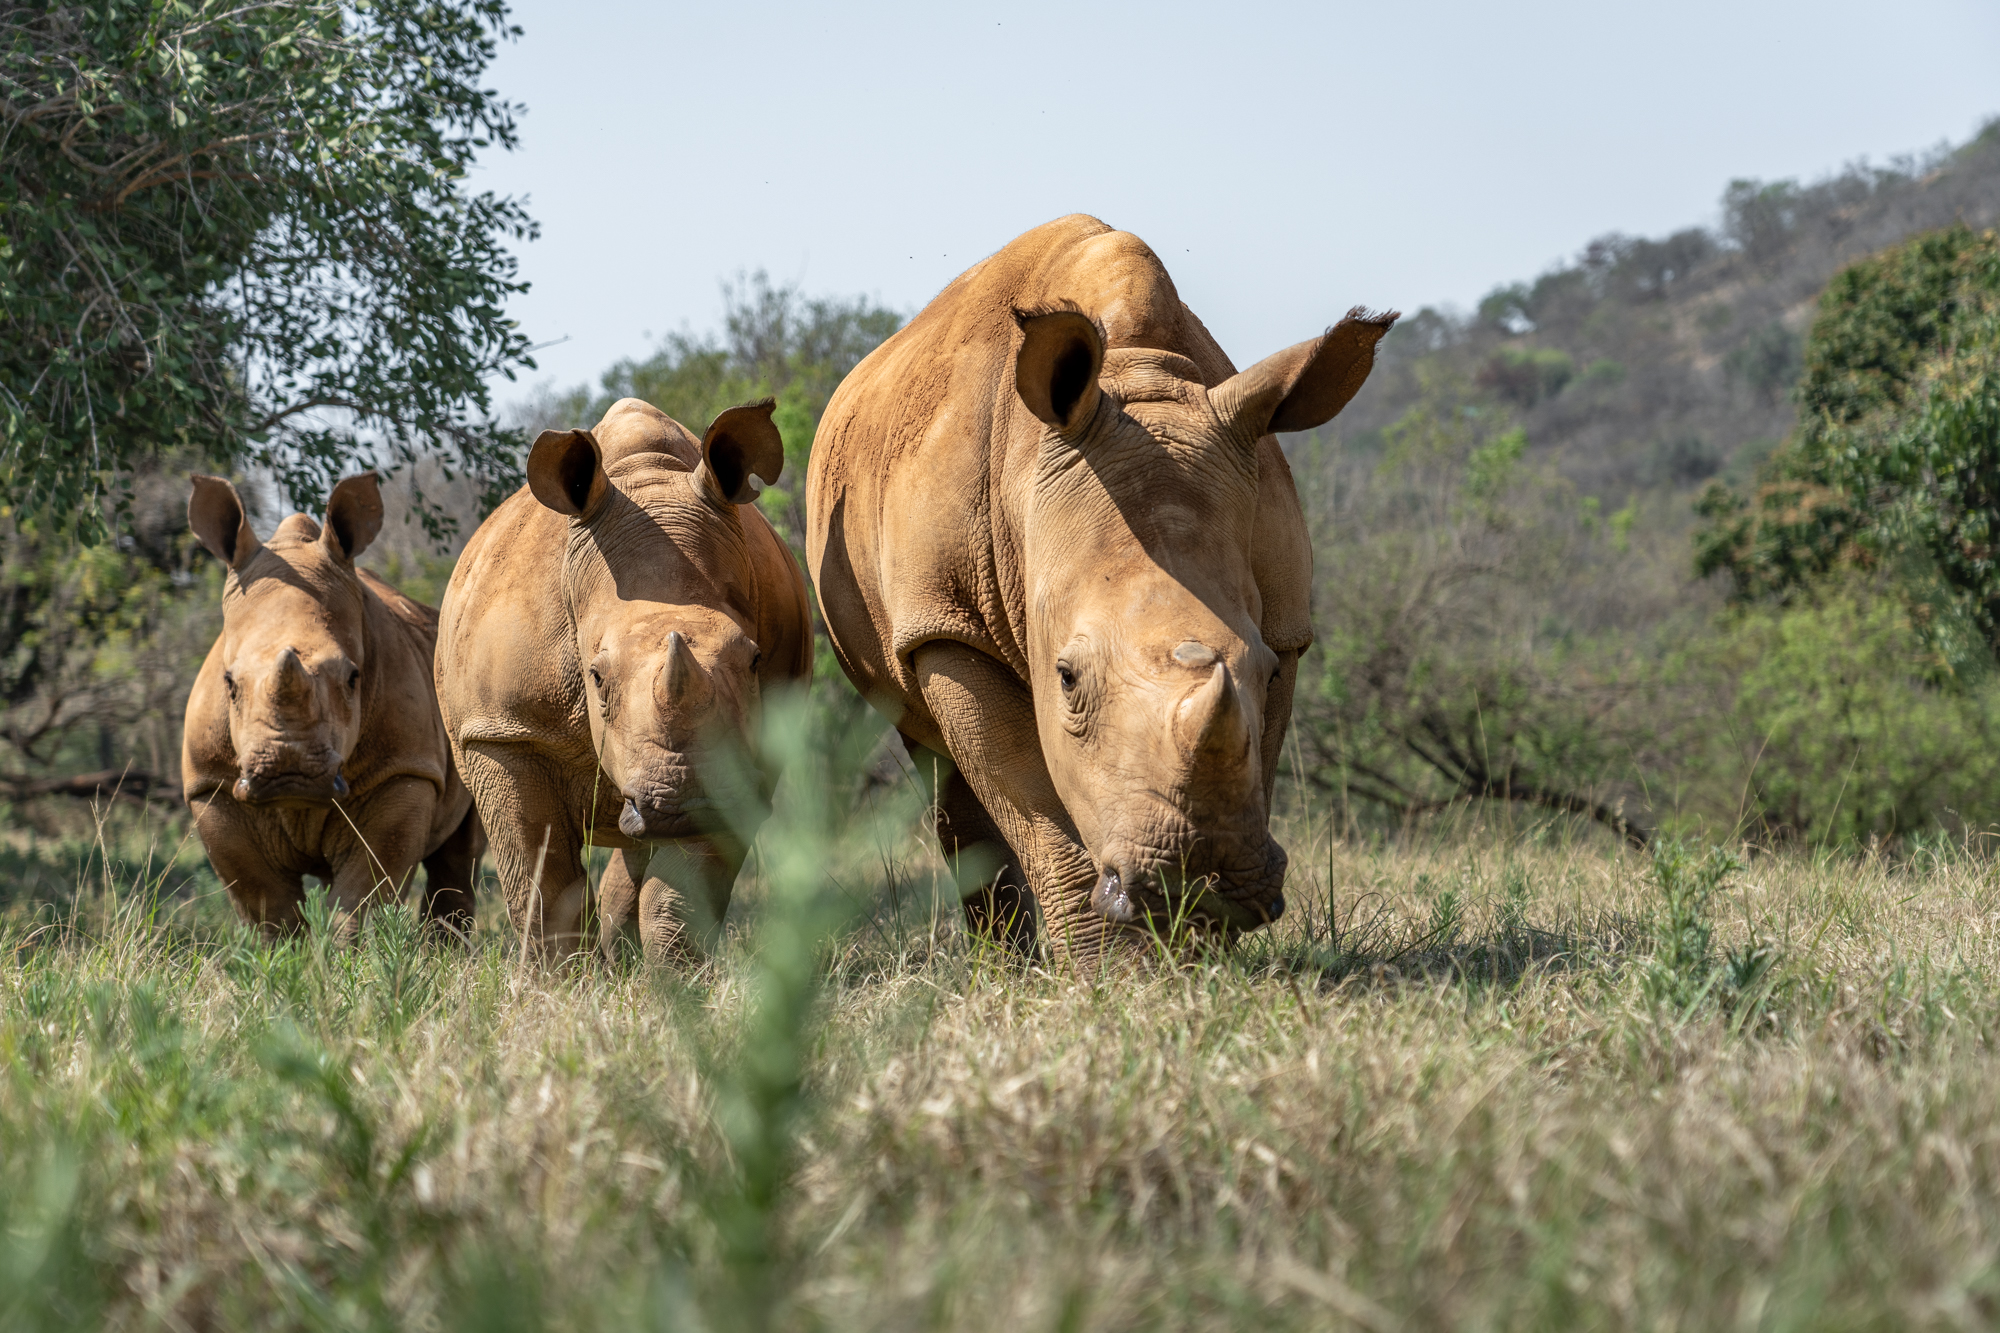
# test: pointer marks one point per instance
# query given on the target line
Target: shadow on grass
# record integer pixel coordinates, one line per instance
(1384, 948)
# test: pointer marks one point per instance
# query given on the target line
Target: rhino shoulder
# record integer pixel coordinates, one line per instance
(402, 733)
(783, 612)
(208, 757)
(506, 657)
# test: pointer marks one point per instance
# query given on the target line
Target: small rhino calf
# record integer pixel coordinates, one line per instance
(313, 743)
(612, 621)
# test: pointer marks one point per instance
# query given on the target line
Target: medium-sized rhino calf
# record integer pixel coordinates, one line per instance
(313, 743)
(612, 621)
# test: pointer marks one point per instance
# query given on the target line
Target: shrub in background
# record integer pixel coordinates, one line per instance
(1525, 376)
(244, 230)
(1846, 728)
(1484, 633)
(1896, 461)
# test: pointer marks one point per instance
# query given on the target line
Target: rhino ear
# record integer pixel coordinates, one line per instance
(740, 442)
(217, 517)
(1304, 385)
(353, 516)
(566, 472)
(1055, 372)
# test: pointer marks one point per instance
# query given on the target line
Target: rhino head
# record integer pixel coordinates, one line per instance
(1150, 678)
(651, 575)
(294, 639)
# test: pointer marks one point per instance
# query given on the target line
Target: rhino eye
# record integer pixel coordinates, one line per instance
(354, 678)
(597, 678)
(229, 683)
(1066, 676)
(757, 659)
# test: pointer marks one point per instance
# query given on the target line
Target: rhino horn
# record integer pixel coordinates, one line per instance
(1214, 716)
(289, 683)
(681, 678)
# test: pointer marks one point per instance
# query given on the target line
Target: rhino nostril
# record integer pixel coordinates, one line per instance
(630, 822)
(1112, 899)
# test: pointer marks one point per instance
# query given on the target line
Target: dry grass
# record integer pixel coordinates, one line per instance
(1471, 1086)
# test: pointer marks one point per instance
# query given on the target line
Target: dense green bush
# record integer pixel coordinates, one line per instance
(244, 230)
(1525, 376)
(99, 643)
(1844, 727)
(1896, 461)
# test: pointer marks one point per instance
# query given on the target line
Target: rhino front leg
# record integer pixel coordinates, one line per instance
(537, 847)
(618, 898)
(986, 721)
(677, 894)
(266, 895)
(375, 844)
(993, 889)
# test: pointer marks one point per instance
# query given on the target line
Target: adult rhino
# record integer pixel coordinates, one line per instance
(313, 744)
(1055, 539)
(609, 622)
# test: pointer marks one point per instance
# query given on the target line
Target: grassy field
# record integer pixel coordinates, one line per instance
(1480, 1079)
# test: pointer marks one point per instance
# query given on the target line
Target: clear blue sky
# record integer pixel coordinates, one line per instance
(1287, 160)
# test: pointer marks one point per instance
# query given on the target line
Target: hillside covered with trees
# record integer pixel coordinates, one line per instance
(1653, 364)
(1523, 520)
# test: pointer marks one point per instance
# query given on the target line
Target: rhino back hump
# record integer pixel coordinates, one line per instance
(925, 457)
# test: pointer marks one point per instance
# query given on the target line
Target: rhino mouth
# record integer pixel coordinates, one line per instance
(290, 789)
(663, 821)
(1166, 897)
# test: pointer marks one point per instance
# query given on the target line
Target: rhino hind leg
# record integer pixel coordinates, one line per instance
(450, 873)
(992, 888)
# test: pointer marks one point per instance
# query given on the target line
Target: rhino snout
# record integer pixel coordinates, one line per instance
(657, 819)
(1130, 889)
(1111, 899)
(289, 788)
